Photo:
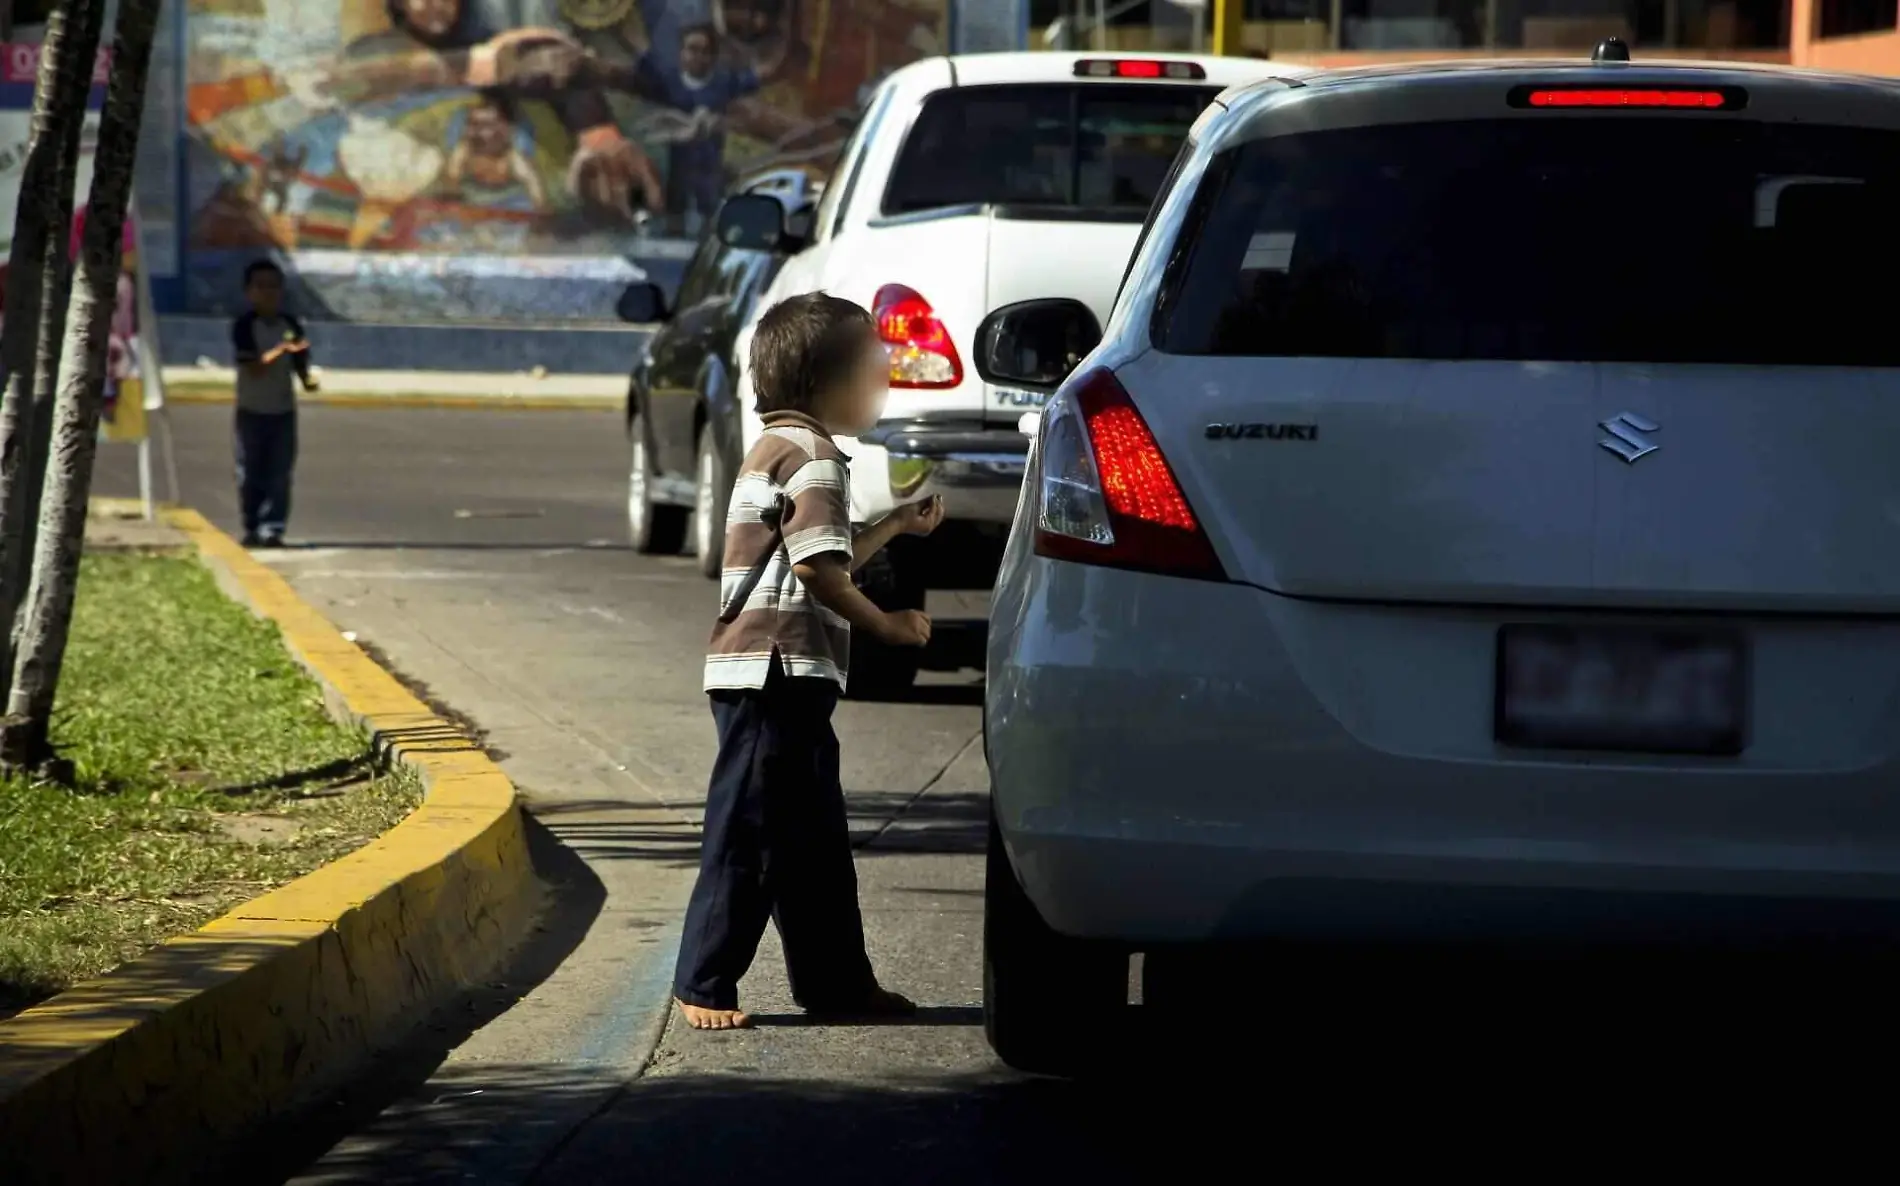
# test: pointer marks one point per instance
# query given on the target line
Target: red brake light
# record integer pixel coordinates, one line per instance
(1137, 68)
(1662, 98)
(1136, 481)
(1152, 526)
(922, 353)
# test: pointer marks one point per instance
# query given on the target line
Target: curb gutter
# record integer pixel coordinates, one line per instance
(147, 1074)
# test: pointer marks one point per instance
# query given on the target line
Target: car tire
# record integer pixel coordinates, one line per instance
(712, 496)
(654, 529)
(1049, 1001)
(879, 671)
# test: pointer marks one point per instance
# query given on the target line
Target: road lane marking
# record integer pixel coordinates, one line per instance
(582, 611)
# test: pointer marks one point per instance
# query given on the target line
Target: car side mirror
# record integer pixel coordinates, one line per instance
(755, 222)
(1035, 344)
(642, 304)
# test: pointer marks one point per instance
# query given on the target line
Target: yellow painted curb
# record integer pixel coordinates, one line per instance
(221, 396)
(144, 1075)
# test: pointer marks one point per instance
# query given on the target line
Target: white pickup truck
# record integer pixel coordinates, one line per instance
(969, 183)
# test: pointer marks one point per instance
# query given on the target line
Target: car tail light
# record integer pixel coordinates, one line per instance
(922, 354)
(1137, 68)
(1659, 98)
(1104, 492)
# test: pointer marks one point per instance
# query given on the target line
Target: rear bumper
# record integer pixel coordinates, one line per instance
(977, 468)
(1178, 761)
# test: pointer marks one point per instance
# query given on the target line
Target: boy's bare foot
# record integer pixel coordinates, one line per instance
(713, 1019)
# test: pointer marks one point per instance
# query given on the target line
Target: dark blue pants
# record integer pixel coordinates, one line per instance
(776, 846)
(266, 455)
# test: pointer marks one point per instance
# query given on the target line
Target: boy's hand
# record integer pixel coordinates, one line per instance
(920, 518)
(296, 346)
(905, 628)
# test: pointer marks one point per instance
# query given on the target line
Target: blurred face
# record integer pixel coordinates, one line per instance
(858, 405)
(266, 293)
(487, 131)
(432, 18)
(696, 55)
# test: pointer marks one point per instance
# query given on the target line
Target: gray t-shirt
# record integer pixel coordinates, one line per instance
(274, 389)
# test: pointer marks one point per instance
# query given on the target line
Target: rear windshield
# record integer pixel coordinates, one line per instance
(1640, 239)
(1096, 149)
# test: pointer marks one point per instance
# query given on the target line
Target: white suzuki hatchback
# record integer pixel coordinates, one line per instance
(1480, 520)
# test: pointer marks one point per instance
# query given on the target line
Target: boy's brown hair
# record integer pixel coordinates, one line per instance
(806, 344)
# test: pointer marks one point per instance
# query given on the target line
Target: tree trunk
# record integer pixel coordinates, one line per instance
(56, 290)
(59, 101)
(24, 735)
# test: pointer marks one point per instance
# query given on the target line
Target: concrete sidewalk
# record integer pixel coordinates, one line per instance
(417, 389)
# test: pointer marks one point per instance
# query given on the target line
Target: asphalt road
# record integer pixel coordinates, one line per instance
(481, 553)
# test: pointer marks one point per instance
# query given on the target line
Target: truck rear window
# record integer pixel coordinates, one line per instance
(1685, 239)
(1093, 148)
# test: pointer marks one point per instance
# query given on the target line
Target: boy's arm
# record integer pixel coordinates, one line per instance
(244, 346)
(300, 359)
(914, 518)
(828, 580)
(870, 541)
(818, 543)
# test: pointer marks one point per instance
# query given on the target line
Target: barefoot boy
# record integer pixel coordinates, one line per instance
(776, 844)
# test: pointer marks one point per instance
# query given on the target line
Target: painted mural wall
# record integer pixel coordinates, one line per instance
(450, 160)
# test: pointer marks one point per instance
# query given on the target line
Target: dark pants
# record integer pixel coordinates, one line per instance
(266, 454)
(776, 846)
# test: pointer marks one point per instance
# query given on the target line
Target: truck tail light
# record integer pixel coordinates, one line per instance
(922, 354)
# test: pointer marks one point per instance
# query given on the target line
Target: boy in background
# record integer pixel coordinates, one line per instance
(776, 842)
(272, 355)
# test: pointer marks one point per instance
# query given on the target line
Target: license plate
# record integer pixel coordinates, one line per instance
(1632, 689)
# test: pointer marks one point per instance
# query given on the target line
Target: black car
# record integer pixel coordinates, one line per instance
(683, 422)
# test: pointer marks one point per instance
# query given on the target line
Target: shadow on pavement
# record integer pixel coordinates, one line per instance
(882, 823)
(279, 1149)
(926, 1017)
(1211, 1095)
(938, 822)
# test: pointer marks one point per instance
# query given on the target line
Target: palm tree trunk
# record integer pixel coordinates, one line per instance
(59, 102)
(24, 734)
(56, 290)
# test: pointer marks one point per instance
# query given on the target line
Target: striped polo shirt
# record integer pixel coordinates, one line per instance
(794, 457)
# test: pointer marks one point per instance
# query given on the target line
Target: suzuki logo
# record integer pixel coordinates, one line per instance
(1627, 439)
